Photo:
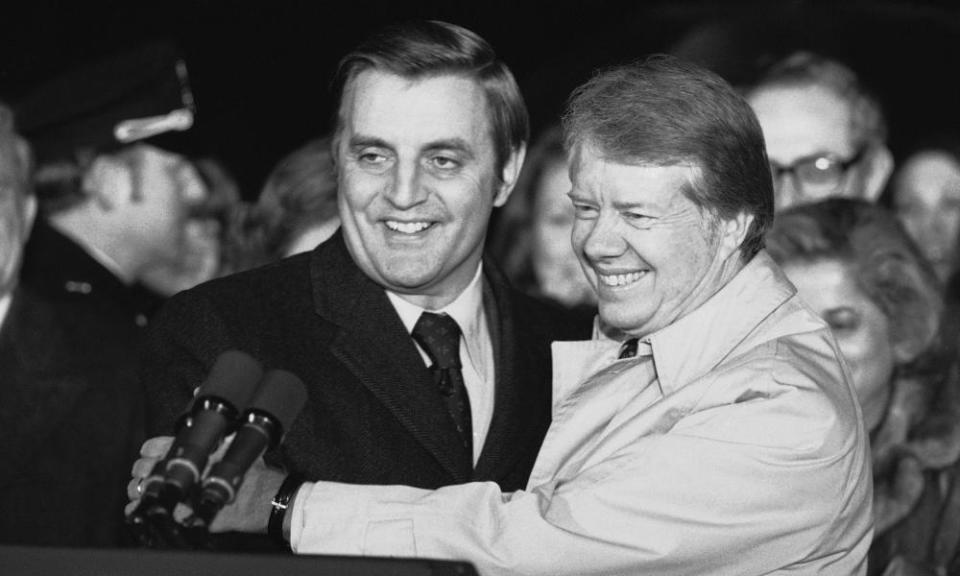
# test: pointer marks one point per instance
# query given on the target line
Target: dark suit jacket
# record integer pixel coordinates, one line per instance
(373, 415)
(59, 269)
(71, 423)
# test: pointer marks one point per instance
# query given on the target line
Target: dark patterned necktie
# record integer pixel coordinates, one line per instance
(629, 348)
(439, 336)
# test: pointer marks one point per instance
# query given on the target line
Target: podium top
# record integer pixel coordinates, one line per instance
(44, 561)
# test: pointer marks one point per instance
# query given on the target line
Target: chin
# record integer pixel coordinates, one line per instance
(614, 318)
(409, 281)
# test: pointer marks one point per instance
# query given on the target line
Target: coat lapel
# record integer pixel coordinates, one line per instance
(375, 346)
(522, 397)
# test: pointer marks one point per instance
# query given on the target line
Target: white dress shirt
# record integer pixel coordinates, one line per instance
(476, 351)
(732, 444)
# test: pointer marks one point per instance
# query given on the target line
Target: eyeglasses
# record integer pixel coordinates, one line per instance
(820, 174)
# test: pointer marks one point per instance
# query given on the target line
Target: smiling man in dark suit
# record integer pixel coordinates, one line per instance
(430, 136)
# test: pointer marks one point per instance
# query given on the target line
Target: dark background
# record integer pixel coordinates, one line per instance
(260, 70)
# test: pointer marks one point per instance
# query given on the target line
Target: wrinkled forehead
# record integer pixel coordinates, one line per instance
(448, 88)
(587, 155)
(800, 120)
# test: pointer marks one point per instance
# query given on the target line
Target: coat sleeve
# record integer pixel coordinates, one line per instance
(721, 508)
(181, 345)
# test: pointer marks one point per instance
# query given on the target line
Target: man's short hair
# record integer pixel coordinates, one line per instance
(424, 49)
(803, 68)
(665, 111)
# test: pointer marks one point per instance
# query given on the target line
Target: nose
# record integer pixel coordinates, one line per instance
(405, 190)
(603, 239)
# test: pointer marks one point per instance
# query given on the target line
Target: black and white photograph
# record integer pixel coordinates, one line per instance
(490, 288)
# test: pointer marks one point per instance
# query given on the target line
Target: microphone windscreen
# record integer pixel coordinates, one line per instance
(234, 377)
(282, 395)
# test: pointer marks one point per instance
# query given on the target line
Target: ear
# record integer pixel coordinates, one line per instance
(912, 338)
(29, 214)
(511, 171)
(108, 182)
(907, 349)
(25, 161)
(733, 231)
(878, 170)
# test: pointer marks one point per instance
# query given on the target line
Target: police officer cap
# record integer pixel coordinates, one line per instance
(142, 94)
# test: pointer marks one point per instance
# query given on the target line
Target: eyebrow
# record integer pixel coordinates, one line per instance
(632, 205)
(458, 144)
(361, 141)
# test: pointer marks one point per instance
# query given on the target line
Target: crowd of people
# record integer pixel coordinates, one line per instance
(688, 327)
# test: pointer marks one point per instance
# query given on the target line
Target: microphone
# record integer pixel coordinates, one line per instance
(211, 415)
(270, 414)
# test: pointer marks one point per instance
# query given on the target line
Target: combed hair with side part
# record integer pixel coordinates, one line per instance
(423, 49)
(664, 111)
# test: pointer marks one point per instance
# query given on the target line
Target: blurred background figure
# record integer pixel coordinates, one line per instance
(826, 134)
(299, 199)
(18, 207)
(202, 255)
(925, 194)
(530, 237)
(853, 263)
(70, 410)
(115, 192)
(113, 182)
(296, 210)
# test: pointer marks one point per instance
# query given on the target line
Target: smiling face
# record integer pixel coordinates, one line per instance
(652, 255)
(926, 197)
(860, 327)
(417, 182)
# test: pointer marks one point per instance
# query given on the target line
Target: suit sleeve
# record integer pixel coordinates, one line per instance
(181, 345)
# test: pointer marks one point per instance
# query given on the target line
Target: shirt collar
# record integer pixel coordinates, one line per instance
(466, 309)
(696, 343)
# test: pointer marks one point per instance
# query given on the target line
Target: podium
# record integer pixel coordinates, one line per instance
(43, 561)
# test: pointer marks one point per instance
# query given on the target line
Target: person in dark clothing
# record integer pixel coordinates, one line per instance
(110, 197)
(70, 413)
(114, 191)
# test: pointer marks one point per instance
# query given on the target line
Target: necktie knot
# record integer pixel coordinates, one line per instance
(439, 336)
(629, 348)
